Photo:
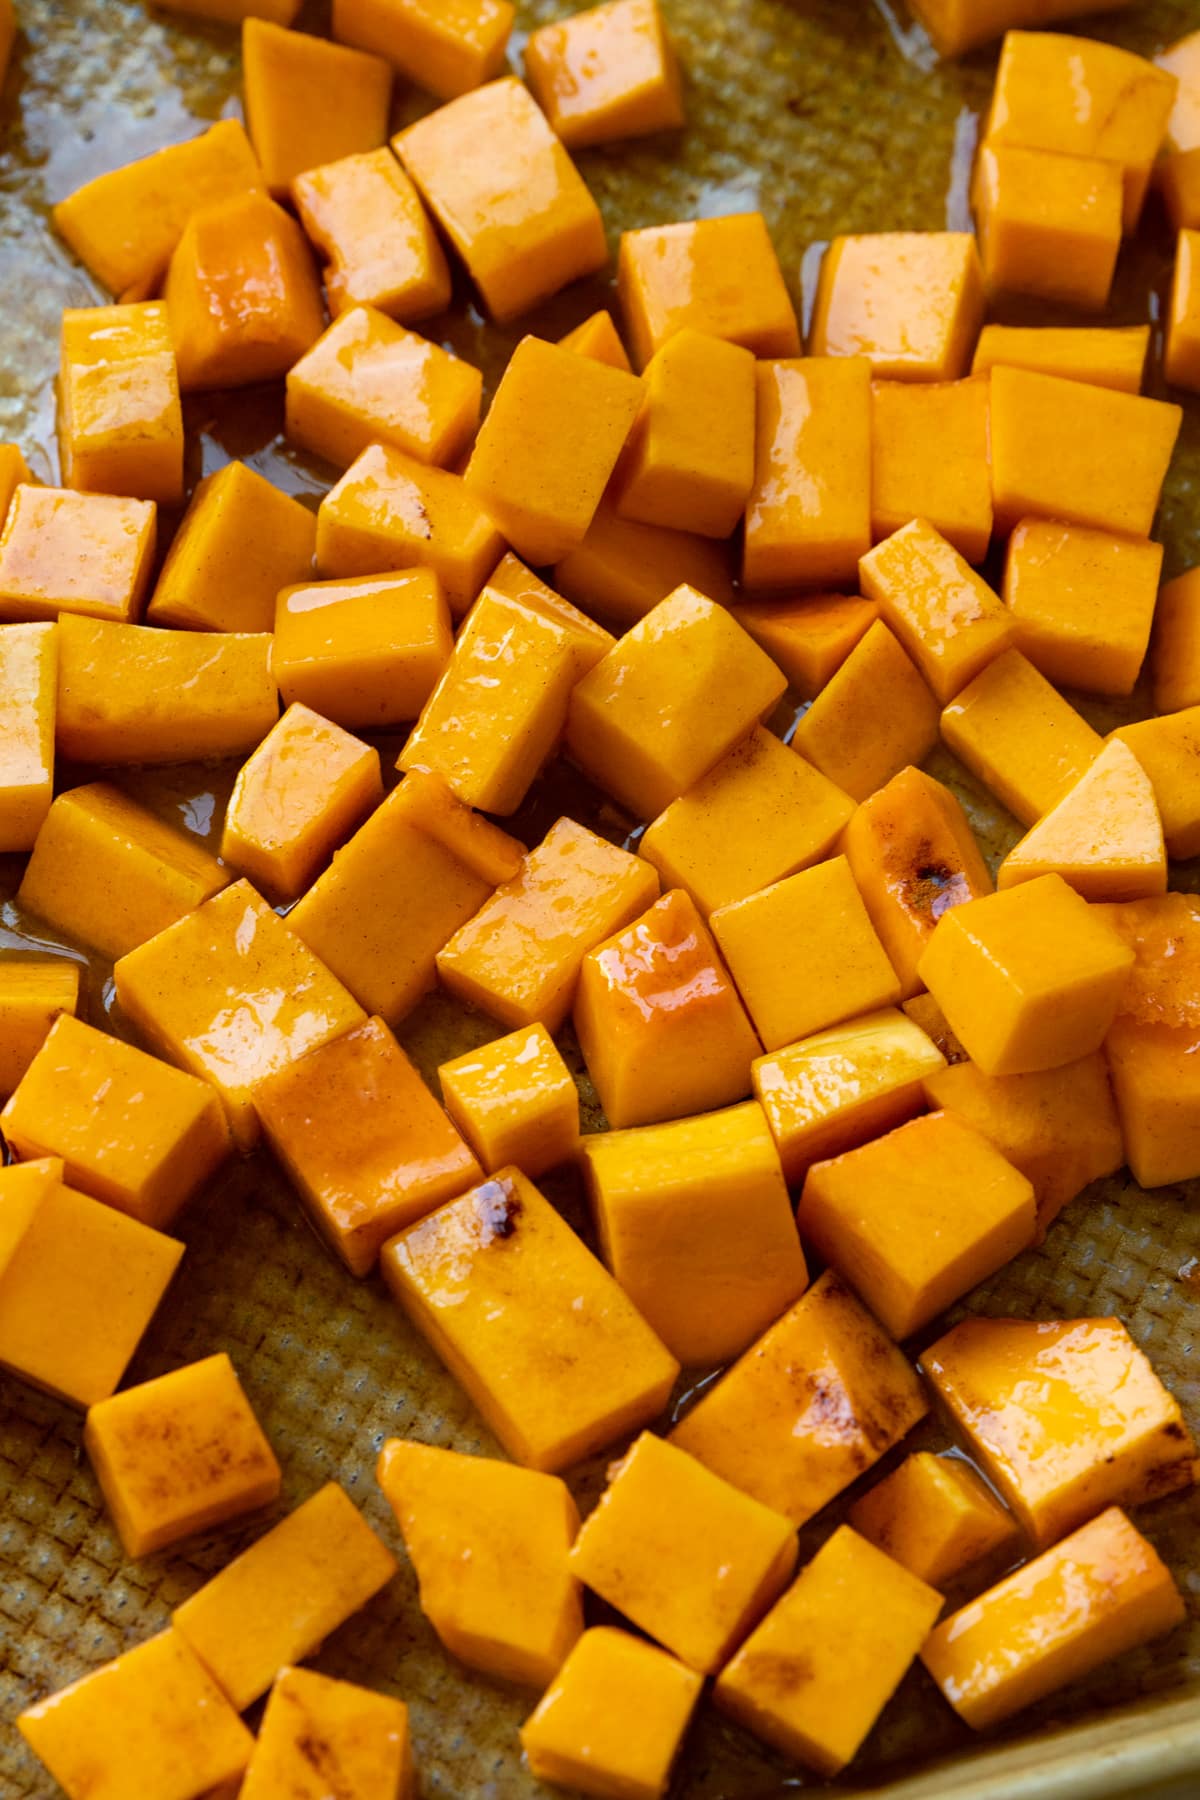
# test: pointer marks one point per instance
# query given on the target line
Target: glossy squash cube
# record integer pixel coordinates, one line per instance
(366, 652)
(911, 302)
(606, 74)
(1049, 225)
(689, 462)
(719, 276)
(1182, 363)
(34, 991)
(515, 1101)
(1082, 603)
(308, 101)
(366, 219)
(1166, 747)
(589, 640)
(1021, 738)
(120, 424)
(446, 50)
(853, 740)
(945, 615)
(1175, 645)
(810, 638)
(76, 553)
(333, 1732)
(934, 1516)
(623, 568)
(1111, 356)
(29, 707)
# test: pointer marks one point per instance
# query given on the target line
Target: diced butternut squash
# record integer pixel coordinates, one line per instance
(929, 460)
(1021, 738)
(810, 638)
(317, 1732)
(536, 1330)
(34, 991)
(957, 26)
(808, 516)
(944, 614)
(935, 1517)
(1104, 837)
(1106, 356)
(925, 1013)
(689, 463)
(447, 50)
(589, 641)
(262, 1000)
(859, 744)
(366, 1145)
(308, 101)
(155, 1709)
(612, 1721)
(796, 1443)
(684, 1555)
(1082, 603)
(1064, 1418)
(607, 73)
(843, 969)
(1049, 225)
(1182, 362)
(366, 219)
(23, 1187)
(719, 276)
(515, 1101)
(1175, 648)
(131, 694)
(120, 425)
(1100, 1592)
(178, 1455)
(79, 553)
(1151, 1047)
(1167, 748)
(240, 541)
(599, 338)
(421, 867)
(366, 652)
(917, 1218)
(505, 192)
(14, 473)
(623, 569)
(28, 712)
(277, 1601)
(815, 1676)
(232, 12)
(911, 302)
(1179, 182)
(1182, 60)
(490, 1545)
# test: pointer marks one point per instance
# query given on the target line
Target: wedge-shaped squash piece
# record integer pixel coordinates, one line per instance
(515, 1101)
(1021, 738)
(322, 1734)
(544, 1341)
(934, 1516)
(1167, 749)
(945, 615)
(1104, 837)
(28, 707)
(851, 738)
(33, 992)
(1064, 1418)
(490, 1546)
(598, 337)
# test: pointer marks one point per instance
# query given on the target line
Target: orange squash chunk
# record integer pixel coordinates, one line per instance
(599, 338)
(1175, 646)
(911, 302)
(447, 49)
(318, 1730)
(1049, 225)
(120, 425)
(850, 737)
(1021, 738)
(1082, 603)
(79, 553)
(34, 991)
(1105, 356)
(515, 1101)
(1182, 362)
(946, 617)
(623, 568)
(366, 652)
(808, 516)
(934, 1516)
(1104, 837)
(366, 218)
(1167, 748)
(719, 276)
(809, 638)
(607, 73)
(308, 101)
(589, 641)
(957, 26)
(28, 706)
(929, 460)
(14, 473)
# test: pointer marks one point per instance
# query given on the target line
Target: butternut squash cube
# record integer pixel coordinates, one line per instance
(925, 1013)
(719, 276)
(916, 1219)
(367, 1147)
(390, 512)
(141, 874)
(1182, 60)
(446, 50)
(368, 381)
(1049, 225)
(819, 1670)
(1178, 177)
(130, 1130)
(957, 26)
(853, 740)
(366, 219)
(913, 855)
(299, 796)
(761, 814)
(1052, 453)
(795, 1444)
(515, 1101)
(28, 712)
(545, 1343)
(599, 338)
(14, 473)
(504, 191)
(911, 302)
(231, 994)
(612, 1721)
(1182, 362)
(490, 1545)
(155, 1709)
(590, 641)
(132, 694)
(659, 1021)
(120, 425)
(179, 1455)
(308, 101)
(944, 614)
(669, 701)
(280, 1599)
(694, 1222)
(1019, 736)
(125, 224)
(842, 1087)
(1104, 837)
(366, 652)
(34, 991)
(686, 1557)
(1167, 748)
(934, 1517)
(1082, 603)
(1100, 1592)
(607, 73)
(488, 738)
(1175, 648)
(808, 516)
(317, 1733)
(836, 969)
(929, 460)
(1059, 1127)
(1064, 1418)
(810, 638)
(79, 1284)
(623, 568)
(1112, 356)
(421, 866)
(1151, 1047)
(79, 553)
(689, 462)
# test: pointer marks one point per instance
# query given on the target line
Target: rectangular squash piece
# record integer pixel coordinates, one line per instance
(929, 460)
(28, 711)
(34, 991)
(1049, 225)
(623, 568)
(545, 1343)
(1175, 647)
(853, 740)
(65, 552)
(944, 614)
(14, 473)
(1019, 736)
(795, 1444)
(503, 1600)
(419, 869)
(815, 1676)
(910, 302)
(120, 424)
(1167, 748)
(591, 641)
(519, 957)
(1082, 603)
(606, 74)
(318, 1728)
(366, 219)
(130, 1130)
(1064, 1418)
(141, 874)
(155, 1709)
(366, 1145)
(308, 101)
(934, 1516)
(957, 26)
(720, 276)
(1106, 356)
(446, 50)
(133, 694)
(809, 637)
(1100, 1592)
(280, 1599)
(366, 652)
(515, 1101)
(230, 993)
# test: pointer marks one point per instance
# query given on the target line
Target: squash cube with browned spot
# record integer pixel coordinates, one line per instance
(1019, 737)
(515, 1101)
(66, 552)
(853, 740)
(935, 1517)
(944, 614)
(911, 302)
(533, 1326)
(490, 1544)
(320, 1736)
(240, 541)
(1082, 603)
(34, 991)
